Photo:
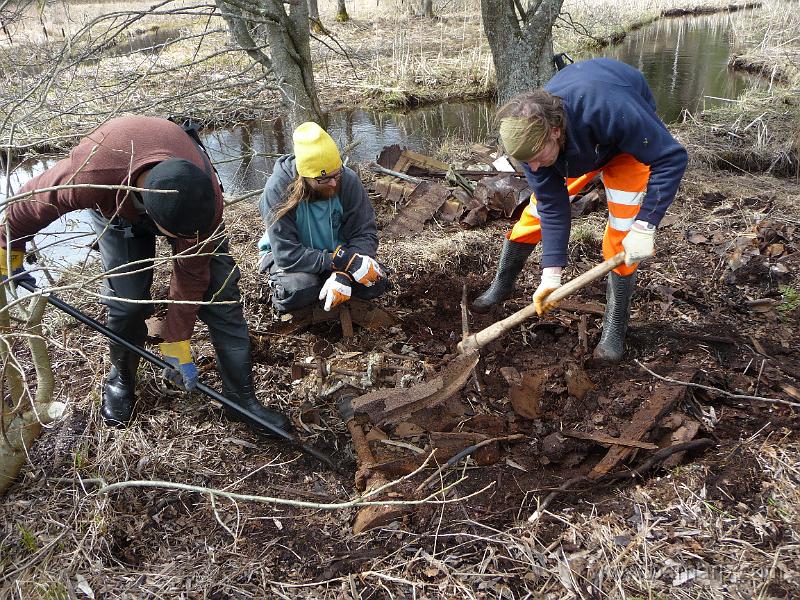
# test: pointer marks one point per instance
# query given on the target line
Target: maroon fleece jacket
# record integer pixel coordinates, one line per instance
(116, 153)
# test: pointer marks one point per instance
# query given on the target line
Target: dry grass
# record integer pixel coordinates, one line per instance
(769, 45)
(382, 57)
(727, 526)
(758, 133)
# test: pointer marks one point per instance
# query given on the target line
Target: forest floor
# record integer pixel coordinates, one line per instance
(718, 306)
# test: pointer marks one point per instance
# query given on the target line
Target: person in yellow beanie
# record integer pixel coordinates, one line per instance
(321, 238)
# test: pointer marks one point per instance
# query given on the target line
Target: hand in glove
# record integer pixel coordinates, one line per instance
(341, 258)
(336, 290)
(551, 280)
(639, 243)
(183, 372)
(18, 272)
(365, 270)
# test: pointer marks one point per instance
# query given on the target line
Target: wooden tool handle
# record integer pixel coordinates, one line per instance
(494, 331)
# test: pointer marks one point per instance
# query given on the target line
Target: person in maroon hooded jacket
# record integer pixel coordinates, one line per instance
(183, 202)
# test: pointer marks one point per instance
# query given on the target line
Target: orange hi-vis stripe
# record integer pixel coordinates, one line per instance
(625, 180)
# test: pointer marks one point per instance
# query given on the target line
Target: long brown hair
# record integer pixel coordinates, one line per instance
(540, 108)
(298, 191)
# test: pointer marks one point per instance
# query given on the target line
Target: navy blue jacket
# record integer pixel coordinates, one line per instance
(609, 110)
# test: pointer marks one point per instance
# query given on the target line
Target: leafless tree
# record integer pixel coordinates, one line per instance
(521, 41)
(278, 39)
(427, 8)
(313, 16)
(341, 12)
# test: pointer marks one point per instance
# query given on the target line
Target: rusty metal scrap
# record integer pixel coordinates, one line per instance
(660, 402)
(471, 204)
(394, 405)
(424, 201)
(502, 193)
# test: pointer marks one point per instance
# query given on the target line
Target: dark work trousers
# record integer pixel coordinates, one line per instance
(292, 291)
(129, 248)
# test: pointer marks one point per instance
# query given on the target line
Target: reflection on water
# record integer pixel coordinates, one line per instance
(361, 134)
(148, 42)
(685, 61)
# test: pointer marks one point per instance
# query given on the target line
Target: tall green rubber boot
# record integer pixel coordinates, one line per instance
(512, 260)
(615, 319)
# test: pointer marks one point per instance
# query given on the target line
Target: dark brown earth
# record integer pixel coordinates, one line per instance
(707, 304)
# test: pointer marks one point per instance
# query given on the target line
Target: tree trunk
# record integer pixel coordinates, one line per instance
(313, 17)
(522, 52)
(21, 426)
(289, 58)
(341, 12)
(427, 8)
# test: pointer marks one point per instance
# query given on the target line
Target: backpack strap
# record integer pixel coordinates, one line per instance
(192, 129)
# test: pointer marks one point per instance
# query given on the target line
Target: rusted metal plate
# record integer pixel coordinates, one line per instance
(502, 193)
(389, 156)
(410, 158)
(425, 200)
(394, 405)
(578, 382)
(663, 399)
(477, 217)
(346, 320)
(483, 153)
(394, 190)
(362, 313)
(371, 517)
(369, 315)
(602, 438)
(451, 210)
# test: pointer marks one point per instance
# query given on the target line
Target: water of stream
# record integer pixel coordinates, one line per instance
(684, 60)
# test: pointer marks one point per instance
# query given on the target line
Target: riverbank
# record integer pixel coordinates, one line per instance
(718, 306)
(379, 59)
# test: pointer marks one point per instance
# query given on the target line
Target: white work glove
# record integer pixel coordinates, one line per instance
(639, 243)
(365, 270)
(336, 290)
(551, 280)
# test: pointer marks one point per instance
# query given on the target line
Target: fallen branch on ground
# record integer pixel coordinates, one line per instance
(708, 388)
(362, 500)
(465, 452)
(656, 459)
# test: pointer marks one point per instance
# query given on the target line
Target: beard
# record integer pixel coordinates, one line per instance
(325, 193)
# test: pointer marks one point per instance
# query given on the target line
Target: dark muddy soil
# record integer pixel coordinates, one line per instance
(712, 307)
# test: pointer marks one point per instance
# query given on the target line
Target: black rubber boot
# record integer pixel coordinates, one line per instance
(119, 390)
(615, 319)
(236, 370)
(512, 259)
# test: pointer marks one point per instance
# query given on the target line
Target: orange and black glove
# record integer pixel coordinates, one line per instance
(364, 269)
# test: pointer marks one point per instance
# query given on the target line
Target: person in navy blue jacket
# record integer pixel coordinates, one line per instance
(593, 117)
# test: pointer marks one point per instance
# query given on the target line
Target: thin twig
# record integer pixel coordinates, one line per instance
(465, 452)
(717, 390)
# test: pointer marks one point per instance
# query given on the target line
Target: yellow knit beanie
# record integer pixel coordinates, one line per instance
(315, 151)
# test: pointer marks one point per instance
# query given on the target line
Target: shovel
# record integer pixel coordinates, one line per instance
(390, 406)
(478, 340)
(210, 392)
